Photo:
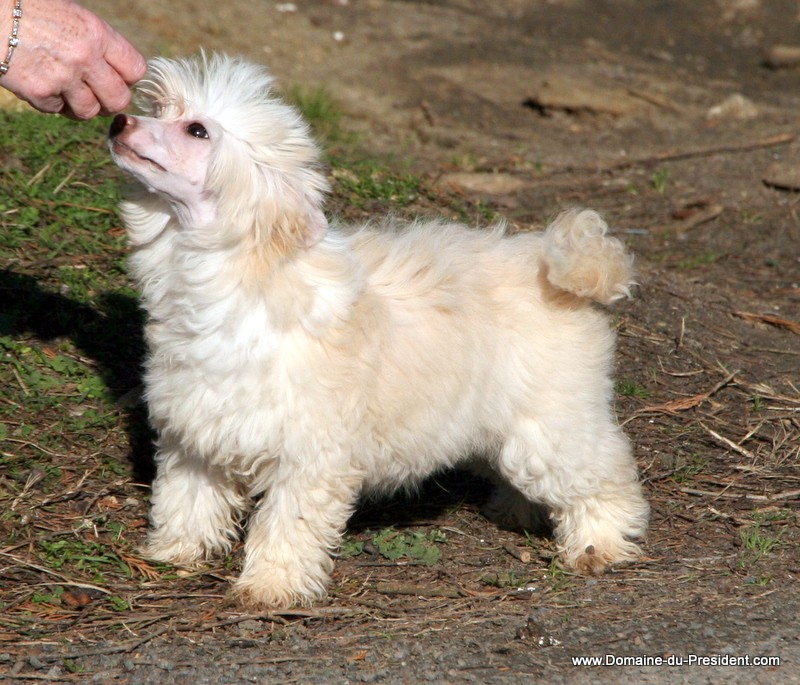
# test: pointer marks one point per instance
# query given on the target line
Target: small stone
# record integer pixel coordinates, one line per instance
(783, 175)
(483, 183)
(36, 662)
(735, 107)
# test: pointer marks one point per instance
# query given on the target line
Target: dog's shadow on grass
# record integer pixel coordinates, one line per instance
(110, 333)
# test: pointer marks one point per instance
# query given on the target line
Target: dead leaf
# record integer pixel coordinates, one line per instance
(109, 502)
(76, 599)
(140, 566)
(682, 404)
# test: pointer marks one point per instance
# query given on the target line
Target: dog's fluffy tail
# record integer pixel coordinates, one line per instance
(582, 259)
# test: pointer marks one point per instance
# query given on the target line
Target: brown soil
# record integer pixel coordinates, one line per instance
(530, 106)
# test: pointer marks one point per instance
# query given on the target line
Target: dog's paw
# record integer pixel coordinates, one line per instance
(172, 551)
(590, 563)
(593, 562)
(260, 596)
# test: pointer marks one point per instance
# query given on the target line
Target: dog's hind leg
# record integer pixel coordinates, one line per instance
(587, 479)
(195, 510)
(291, 536)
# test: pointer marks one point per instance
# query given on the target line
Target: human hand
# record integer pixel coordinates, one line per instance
(68, 60)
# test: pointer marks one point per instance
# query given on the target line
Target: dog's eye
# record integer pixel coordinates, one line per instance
(197, 130)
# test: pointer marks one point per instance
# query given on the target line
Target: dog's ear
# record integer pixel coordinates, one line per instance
(273, 209)
(295, 197)
(288, 220)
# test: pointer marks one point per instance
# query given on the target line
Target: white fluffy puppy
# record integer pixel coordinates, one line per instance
(293, 366)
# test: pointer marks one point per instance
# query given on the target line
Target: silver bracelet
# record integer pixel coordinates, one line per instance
(13, 41)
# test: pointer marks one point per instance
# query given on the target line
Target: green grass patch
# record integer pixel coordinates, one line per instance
(685, 469)
(629, 388)
(659, 180)
(698, 261)
(758, 539)
(369, 184)
(504, 580)
(321, 111)
(395, 545)
(58, 194)
(757, 542)
(86, 557)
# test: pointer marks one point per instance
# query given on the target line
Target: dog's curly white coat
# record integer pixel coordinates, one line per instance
(293, 367)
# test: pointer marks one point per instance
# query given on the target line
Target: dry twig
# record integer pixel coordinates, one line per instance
(770, 319)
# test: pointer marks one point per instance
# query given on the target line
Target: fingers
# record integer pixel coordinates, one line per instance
(108, 79)
(104, 89)
(102, 92)
(109, 90)
(80, 102)
(108, 73)
(125, 59)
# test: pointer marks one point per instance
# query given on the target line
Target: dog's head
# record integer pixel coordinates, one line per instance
(233, 161)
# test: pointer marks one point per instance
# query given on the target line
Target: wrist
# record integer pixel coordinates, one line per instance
(13, 36)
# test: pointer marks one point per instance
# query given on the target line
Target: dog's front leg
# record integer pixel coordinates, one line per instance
(195, 509)
(290, 537)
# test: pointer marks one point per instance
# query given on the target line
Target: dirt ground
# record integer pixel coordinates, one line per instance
(671, 119)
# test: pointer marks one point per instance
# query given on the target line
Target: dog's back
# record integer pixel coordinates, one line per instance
(574, 255)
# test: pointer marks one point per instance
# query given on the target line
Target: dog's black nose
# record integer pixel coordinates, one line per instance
(118, 125)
